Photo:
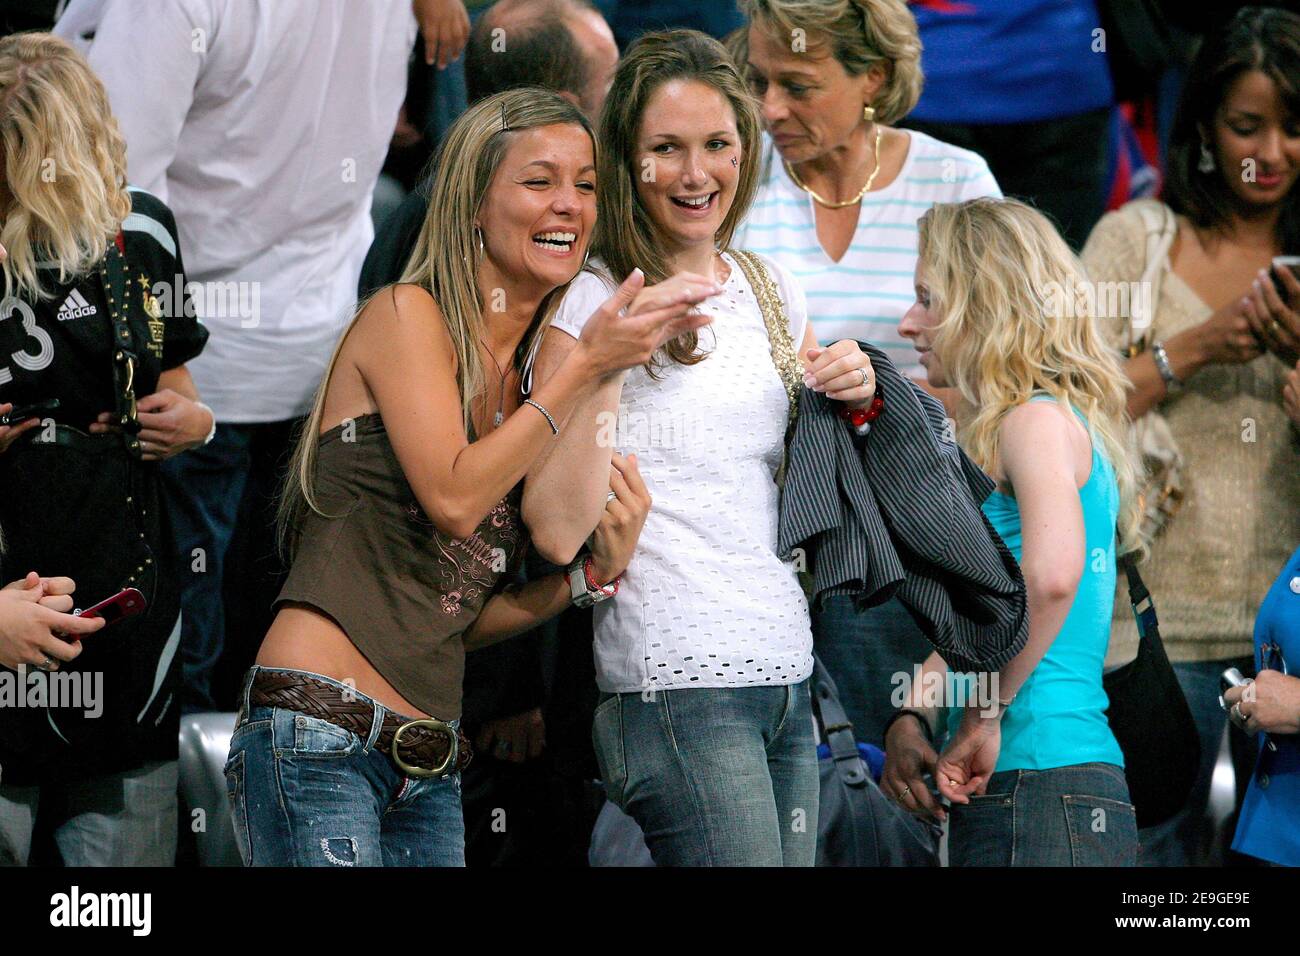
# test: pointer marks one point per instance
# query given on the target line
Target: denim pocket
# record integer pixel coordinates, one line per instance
(313, 737)
(243, 730)
(1103, 832)
(979, 800)
(238, 806)
(607, 736)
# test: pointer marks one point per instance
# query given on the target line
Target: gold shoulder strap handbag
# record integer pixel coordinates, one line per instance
(784, 354)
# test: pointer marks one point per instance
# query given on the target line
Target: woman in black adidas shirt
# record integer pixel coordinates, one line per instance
(93, 315)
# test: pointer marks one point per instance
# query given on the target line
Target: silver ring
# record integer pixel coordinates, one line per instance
(611, 497)
(46, 665)
(904, 792)
(1236, 712)
(866, 379)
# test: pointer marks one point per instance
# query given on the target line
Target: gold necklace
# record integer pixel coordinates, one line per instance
(847, 202)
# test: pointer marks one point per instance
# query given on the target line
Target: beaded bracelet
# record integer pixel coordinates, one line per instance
(861, 418)
(555, 429)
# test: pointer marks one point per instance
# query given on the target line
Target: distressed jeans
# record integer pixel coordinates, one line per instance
(715, 776)
(306, 792)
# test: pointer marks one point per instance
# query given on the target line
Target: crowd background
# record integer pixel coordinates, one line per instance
(1069, 105)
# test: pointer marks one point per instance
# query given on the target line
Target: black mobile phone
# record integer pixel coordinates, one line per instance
(1293, 264)
(35, 410)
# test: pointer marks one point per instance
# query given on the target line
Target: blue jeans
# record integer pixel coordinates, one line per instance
(715, 776)
(1188, 838)
(205, 489)
(865, 651)
(1067, 816)
(306, 792)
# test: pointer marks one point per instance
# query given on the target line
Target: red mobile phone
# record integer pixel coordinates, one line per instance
(122, 604)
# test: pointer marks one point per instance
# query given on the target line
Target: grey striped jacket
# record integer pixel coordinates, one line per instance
(900, 516)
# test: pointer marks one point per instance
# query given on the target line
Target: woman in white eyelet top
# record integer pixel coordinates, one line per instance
(705, 601)
(704, 731)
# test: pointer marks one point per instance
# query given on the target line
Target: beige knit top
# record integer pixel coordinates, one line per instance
(1240, 518)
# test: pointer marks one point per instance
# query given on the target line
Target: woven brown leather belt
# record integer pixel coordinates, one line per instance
(419, 747)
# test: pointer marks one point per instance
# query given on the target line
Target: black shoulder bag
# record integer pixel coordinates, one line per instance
(1150, 718)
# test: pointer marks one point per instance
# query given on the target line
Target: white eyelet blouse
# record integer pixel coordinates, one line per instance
(705, 601)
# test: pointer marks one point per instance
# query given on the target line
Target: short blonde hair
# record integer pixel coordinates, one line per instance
(64, 162)
(861, 34)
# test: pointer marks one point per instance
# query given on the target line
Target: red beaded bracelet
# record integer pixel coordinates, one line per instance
(857, 417)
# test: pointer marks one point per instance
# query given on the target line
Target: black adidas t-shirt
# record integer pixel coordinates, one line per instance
(61, 347)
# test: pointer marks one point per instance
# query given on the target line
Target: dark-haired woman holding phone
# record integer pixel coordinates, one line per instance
(1211, 356)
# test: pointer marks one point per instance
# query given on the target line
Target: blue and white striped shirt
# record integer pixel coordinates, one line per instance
(864, 295)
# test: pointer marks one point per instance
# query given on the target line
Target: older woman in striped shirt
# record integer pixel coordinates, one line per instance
(837, 206)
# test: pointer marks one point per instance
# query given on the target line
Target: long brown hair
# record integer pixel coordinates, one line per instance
(625, 236)
(445, 263)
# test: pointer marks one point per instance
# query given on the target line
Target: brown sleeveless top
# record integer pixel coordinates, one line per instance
(403, 592)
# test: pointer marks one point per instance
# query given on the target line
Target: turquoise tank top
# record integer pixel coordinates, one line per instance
(1059, 715)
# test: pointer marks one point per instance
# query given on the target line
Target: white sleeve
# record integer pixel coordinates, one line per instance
(80, 19)
(793, 297)
(151, 93)
(981, 181)
(585, 295)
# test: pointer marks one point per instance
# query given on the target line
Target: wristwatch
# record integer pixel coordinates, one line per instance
(583, 586)
(1158, 354)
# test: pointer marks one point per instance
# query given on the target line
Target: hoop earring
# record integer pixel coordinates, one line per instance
(1206, 163)
(478, 234)
(869, 113)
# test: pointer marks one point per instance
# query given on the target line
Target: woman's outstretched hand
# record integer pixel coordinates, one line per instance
(637, 320)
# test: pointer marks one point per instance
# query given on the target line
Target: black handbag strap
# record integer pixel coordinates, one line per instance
(1144, 606)
(835, 727)
(125, 358)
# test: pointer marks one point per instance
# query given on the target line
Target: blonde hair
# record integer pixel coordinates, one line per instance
(999, 274)
(861, 34)
(64, 163)
(625, 236)
(445, 263)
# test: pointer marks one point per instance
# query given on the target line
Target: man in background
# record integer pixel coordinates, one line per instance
(263, 125)
(560, 45)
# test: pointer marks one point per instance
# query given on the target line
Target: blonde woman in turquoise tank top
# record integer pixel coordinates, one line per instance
(1031, 769)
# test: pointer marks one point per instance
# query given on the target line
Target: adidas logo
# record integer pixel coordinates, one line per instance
(75, 306)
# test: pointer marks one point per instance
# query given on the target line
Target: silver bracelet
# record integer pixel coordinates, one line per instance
(1161, 358)
(555, 429)
(213, 431)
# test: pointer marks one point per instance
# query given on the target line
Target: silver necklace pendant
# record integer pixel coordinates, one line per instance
(497, 419)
